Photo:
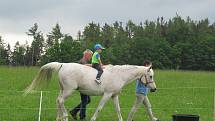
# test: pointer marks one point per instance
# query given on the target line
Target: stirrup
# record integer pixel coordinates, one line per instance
(98, 81)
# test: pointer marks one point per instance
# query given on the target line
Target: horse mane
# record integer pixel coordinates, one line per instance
(121, 68)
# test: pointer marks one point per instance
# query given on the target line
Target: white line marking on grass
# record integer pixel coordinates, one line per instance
(41, 97)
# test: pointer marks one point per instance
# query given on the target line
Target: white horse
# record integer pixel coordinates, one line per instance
(73, 76)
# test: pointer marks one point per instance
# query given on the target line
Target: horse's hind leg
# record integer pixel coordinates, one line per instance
(64, 94)
(59, 107)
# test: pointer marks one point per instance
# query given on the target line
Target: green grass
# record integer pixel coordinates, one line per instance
(179, 92)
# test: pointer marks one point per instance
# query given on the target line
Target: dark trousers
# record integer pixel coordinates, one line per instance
(85, 99)
(99, 68)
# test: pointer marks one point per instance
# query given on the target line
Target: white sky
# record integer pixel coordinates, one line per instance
(16, 17)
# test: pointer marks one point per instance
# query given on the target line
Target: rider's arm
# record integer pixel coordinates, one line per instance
(98, 57)
(100, 62)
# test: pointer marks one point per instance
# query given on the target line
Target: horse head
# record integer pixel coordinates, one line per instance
(148, 79)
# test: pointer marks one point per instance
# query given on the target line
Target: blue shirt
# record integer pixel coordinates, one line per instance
(98, 56)
(141, 88)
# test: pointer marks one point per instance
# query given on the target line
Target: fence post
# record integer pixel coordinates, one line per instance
(41, 97)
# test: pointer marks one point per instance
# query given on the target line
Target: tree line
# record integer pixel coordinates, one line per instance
(176, 43)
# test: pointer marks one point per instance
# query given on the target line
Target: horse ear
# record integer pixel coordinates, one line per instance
(150, 67)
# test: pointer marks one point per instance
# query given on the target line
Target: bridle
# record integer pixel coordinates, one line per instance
(147, 81)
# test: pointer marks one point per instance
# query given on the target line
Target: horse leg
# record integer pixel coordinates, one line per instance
(139, 100)
(117, 107)
(64, 94)
(59, 108)
(101, 104)
(149, 109)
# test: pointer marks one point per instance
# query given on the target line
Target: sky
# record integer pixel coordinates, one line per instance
(17, 16)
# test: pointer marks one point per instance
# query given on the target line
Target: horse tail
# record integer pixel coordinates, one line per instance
(43, 76)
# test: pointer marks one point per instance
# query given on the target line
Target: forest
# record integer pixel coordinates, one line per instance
(176, 43)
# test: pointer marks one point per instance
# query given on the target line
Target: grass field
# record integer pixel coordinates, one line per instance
(179, 92)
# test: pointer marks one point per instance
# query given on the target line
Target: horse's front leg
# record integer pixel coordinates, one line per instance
(117, 107)
(102, 102)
